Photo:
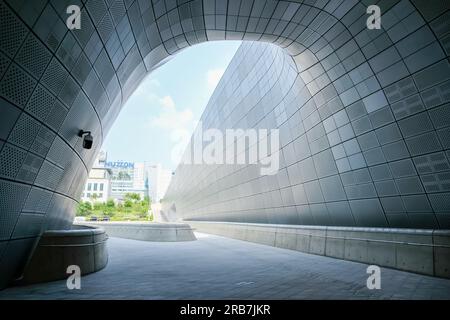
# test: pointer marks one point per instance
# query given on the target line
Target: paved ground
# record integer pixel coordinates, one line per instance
(220, 268)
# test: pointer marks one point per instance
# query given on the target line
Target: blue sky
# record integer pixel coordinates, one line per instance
(168, 104)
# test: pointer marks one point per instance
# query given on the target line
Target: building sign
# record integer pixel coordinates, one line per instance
(120, 164)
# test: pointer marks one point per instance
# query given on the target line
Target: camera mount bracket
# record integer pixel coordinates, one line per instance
(82, 132)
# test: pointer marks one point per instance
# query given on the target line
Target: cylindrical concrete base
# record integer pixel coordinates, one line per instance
(84, 247)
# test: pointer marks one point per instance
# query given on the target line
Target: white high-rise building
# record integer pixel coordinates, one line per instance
(127, 177)
(158, 181)
(139, 176)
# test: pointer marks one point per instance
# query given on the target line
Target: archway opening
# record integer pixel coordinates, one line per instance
(143, 147)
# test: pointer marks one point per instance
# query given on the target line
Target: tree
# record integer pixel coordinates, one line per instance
(127, 203)
(133, 207)
(98, 206)
(133, 197)
(84, 208)
(109, 207)
(108, 212)
(110, 203)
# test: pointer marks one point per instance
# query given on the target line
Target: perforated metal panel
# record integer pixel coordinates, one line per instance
(40, 103)
(43, 141)
(10, 114)
(97, 10)
(4, 63)
(33, 56)
(11, 159)
(24, 131)
(28, 224)
(12, 31)
(105, 27)
(37, 201)
(49, 176)
(56, 116)
(54, 76)
(117, 10)
(12, 197)
(30, 168)
(17, 85)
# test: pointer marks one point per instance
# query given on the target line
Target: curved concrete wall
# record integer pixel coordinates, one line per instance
(147, 231)
(391, 84)
(421, 251)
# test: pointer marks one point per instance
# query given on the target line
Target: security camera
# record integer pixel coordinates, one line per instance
(88, 140)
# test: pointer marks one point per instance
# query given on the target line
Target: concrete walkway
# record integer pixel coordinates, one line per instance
(220, 268)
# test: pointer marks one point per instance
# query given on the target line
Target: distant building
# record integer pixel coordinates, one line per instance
(124, 177)
(158, 181)
(98, 186)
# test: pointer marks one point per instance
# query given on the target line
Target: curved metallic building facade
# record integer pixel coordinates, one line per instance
(363, 114)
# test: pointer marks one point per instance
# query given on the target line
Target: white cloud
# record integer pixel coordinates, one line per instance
(167, 102)
(179, 124)
(172, 119)
(213, 77)
(144, 90)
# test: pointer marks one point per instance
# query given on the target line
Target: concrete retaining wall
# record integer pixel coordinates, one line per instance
(147, 231)
(420, 251)
(57, 249)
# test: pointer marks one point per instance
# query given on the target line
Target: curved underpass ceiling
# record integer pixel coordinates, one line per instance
(386, 149)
